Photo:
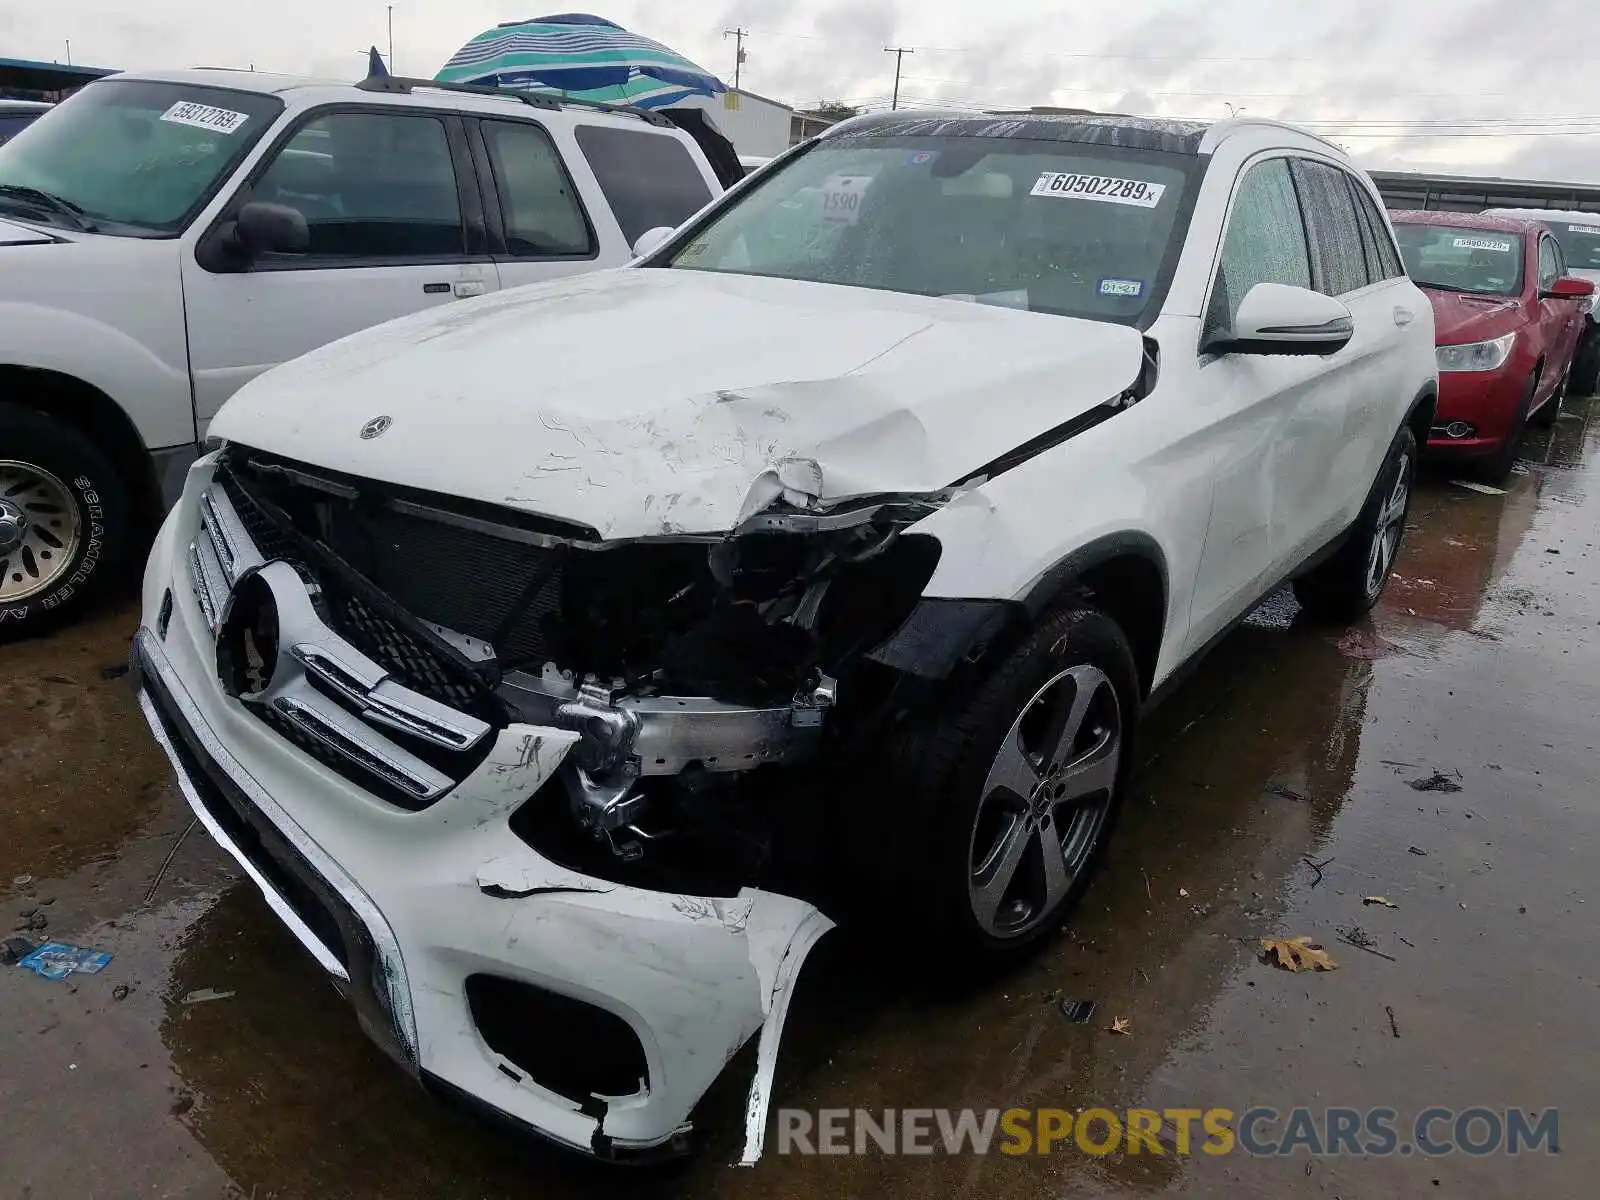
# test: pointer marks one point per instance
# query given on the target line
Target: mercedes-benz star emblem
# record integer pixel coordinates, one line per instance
(376, 427)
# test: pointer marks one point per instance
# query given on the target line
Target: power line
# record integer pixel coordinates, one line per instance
(738, 35)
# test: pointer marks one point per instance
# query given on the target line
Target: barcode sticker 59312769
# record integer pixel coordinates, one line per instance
(1107, 189)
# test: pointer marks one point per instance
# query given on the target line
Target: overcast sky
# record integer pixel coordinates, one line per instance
(1479, 86)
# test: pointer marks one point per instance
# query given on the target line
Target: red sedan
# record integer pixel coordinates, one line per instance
(1507, 320)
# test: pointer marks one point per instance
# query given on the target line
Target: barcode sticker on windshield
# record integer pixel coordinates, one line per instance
(1105, 188)
(203, 116)
(1472, 243)
(842, 196)
(1591, 230)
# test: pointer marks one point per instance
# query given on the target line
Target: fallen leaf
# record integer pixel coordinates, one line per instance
(1296, 954)
(1383, 900)
(1121, 1025)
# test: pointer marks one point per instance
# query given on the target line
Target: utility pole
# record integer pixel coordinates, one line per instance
(69, 52)
(899, 53)
(391, 39)
(738, 35)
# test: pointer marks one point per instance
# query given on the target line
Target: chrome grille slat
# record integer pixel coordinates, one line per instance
(210, 586)
(345, 735)
(378, 698)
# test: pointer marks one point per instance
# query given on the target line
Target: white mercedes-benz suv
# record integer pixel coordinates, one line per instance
(551, 661)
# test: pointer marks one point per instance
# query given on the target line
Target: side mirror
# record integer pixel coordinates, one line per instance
(263, 228)
(1568, 287)
(651, 240)
(1275, 318)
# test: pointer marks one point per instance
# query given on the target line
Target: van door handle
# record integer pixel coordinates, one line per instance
(1403, 316)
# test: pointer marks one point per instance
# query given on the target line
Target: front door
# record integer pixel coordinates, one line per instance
(392, 231)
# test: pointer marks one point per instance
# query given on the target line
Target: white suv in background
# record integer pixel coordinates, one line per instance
(164, 238)
(1578, 235)
(551, 661)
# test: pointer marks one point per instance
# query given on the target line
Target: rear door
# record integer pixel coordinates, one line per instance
(648, 177)
(396, 226)
(539, 227)
(1353, 259)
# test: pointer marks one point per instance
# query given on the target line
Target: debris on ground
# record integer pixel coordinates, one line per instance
(1380, 900)
(120, 992)
(1394, 1026)
(57, 960)
(205, 995)
(31, 921)
(114, 671)
(1317, 867)
(1437, 782)
(15, 950)
(1419, 852)
(1286, 793)
(1296, 954)
(21, 881)
(1077, 1011)
(1362, 940)
(1122, 1026)
(1481, 488)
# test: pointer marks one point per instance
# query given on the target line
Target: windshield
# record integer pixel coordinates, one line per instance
(1580, 244)
(1458, 259)
(1048, 226)
(134, 158)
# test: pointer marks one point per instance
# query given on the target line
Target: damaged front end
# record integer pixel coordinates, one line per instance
(607, 742)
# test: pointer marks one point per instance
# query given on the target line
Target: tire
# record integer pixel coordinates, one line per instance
(1345, 588)
(65, 517)
(987, 907)
(1586, 365)
(1550, 411)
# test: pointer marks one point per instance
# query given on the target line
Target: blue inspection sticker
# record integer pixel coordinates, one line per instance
(921, 158)
(1122, 287)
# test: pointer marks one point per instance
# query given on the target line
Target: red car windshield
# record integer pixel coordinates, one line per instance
(1458, 259)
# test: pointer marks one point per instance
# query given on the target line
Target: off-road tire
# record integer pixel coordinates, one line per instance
(941, 765)
(1339, 590)
(103, 508)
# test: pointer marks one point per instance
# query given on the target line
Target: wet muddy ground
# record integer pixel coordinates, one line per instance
(1290, 747)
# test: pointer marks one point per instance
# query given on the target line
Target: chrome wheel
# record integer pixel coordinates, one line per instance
(1045, 802)
(1390, 525)
(39, 530)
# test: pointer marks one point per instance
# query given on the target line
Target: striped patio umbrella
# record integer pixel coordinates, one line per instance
(582, 56)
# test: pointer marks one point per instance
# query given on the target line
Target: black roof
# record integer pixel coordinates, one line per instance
(1138, 133)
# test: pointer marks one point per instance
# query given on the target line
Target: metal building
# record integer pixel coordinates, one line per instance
(1462, 193)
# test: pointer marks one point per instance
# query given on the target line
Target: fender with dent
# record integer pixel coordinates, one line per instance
(154, 394)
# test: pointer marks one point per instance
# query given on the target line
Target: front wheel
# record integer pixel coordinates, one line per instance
(63, 520)
(1346, 587)
(1018, 786)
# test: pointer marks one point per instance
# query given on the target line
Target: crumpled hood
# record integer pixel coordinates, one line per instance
(647, 401)
(1461, 317)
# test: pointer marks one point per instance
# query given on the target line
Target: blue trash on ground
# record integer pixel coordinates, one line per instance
(57, 960)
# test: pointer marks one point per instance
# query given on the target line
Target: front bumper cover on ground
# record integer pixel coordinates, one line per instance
(402, 908)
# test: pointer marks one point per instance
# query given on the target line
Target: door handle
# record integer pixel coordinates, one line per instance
(435, 289)
(1403, 316)
(468, 287)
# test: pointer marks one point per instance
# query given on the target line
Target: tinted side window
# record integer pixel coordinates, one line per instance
(648, 178)
(542, 214)
(1265, 242)
(1549, 264)
(1383, 260)
(371, 185)
(1337, 263)
(12, 124)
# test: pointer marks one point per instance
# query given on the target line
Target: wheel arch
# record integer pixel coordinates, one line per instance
(1123, 575)
(93, 413)
(1424, 407)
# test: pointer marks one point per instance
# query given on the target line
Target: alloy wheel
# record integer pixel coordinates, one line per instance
(1045, 802)
(1389, 527)
(39, 530)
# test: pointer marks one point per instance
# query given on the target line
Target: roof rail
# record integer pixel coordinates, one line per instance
(1224, 129)
(399, 85)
